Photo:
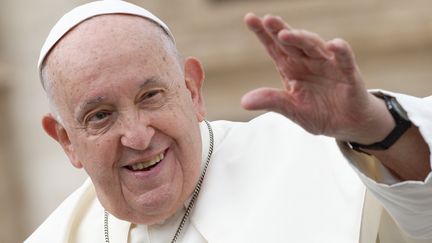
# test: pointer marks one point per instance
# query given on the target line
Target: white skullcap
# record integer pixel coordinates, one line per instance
(86, 11)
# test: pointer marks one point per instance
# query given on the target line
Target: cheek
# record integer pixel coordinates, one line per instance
(96, 155)
(183, 107)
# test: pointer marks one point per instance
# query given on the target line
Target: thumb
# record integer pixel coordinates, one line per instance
(265, 99)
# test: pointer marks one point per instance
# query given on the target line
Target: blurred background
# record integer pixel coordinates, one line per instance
(392, 40)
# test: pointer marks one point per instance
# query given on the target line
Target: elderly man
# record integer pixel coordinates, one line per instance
(128, 109)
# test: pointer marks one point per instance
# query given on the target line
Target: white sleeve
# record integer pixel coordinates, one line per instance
(408, 202)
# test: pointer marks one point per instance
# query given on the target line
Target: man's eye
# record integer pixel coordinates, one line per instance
(151, 94)
(98, 116)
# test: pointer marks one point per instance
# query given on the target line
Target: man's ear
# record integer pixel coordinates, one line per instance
(55, 130)
(194, 77)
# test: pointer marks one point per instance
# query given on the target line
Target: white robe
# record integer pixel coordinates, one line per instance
(270, 181)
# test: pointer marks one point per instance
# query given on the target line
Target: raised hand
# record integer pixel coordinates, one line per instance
(322, 87)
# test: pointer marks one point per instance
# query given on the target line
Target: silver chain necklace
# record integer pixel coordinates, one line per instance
(191, 203)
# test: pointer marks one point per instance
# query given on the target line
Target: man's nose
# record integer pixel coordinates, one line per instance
(137, 133)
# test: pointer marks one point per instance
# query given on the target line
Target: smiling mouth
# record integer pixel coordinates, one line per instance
(146, 165)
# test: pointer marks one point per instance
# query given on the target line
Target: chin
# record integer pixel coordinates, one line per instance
(155, 210)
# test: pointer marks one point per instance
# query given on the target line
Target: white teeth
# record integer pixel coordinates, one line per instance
(146, 164)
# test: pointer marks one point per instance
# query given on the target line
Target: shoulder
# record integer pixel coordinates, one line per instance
(262, 120)
(57, 226)
(269, 128)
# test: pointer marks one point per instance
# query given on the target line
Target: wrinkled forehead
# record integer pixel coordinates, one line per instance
(103, 47)
(87, 11)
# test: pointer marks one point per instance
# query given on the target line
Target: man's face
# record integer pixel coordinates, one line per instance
(130, 115)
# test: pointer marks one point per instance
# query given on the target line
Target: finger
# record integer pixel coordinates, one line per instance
(265, 99)
(291, 39)
(309, 43)
(275, 24)
(343, 55)
(254, 23)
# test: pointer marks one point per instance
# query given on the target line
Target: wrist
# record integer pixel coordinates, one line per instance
(399, 125)
(372, 123)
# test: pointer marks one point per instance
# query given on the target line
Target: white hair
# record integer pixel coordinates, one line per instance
(47, 83)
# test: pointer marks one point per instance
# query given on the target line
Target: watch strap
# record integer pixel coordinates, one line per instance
(402, 125)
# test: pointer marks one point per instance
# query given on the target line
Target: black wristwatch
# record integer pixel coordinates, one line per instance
(402, 124)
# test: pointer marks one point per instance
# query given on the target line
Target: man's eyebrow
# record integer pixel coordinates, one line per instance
(152, 81)
(93, 101)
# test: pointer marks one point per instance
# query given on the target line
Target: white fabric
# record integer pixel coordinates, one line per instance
(268, 181)
(86, 11)
(165, 232)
